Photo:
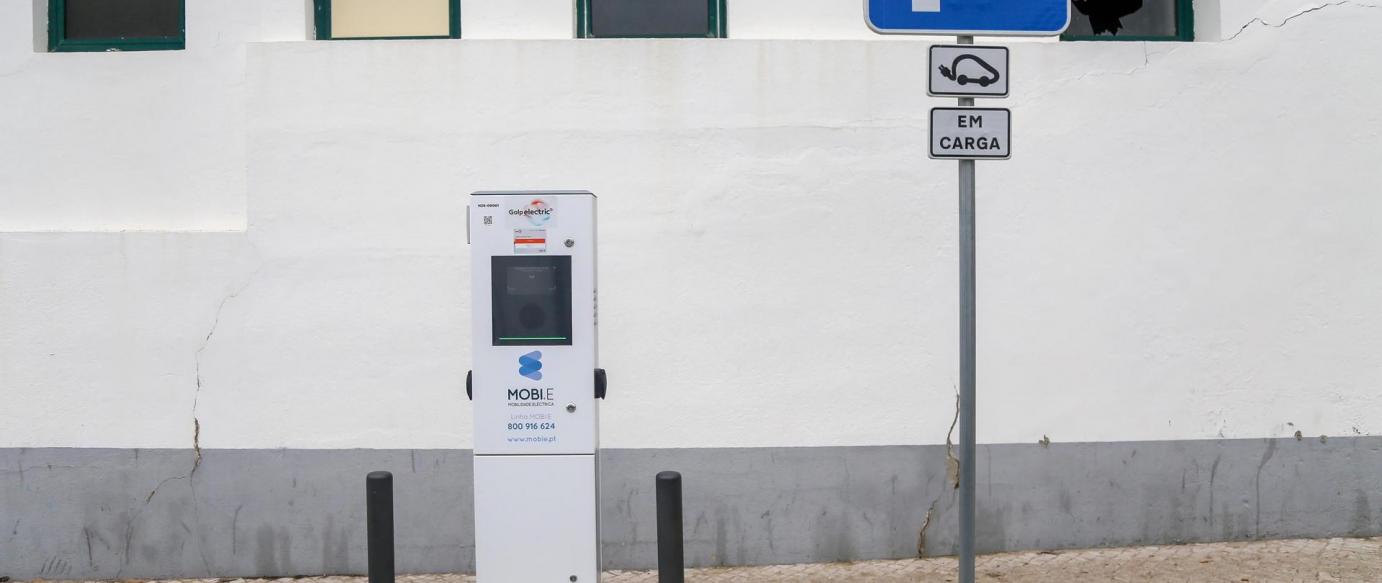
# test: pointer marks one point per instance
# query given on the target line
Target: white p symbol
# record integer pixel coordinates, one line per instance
(926, 5)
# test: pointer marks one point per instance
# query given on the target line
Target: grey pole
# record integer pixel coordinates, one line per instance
(967, 317)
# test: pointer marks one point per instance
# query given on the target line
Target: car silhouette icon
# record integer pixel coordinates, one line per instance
(983, 76)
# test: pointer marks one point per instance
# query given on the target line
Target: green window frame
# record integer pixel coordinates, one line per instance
(59, 43)
(321, 11)
(717, 26)
(1185, 28)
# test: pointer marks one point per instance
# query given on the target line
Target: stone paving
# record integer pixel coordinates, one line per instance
(1352, 560)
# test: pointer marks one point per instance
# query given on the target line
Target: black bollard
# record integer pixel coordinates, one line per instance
(671, 564)
(379, 526)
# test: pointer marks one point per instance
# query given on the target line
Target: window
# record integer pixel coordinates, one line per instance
(361, 19)
(115, 25)
(650, 18)
(1136, 20)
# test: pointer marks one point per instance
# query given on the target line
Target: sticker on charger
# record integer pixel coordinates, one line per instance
(529, 241)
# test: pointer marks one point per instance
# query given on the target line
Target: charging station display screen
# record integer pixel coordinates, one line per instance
(532, 300)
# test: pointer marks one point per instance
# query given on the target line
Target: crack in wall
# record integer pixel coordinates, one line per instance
(196, 421)
(197, 360)
(190, 476)
(20, 470)
(1284, 21)
(1213, 471)
(1257, 489)
(925, 524)
(952, 478)
(196, 401)
(196, 397)
(1147, 53)
(134, 520)
(150, 497)
(952, 463)
(197, 519)
(1146, 63)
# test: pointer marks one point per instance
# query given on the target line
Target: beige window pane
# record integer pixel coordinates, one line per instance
(376, 18)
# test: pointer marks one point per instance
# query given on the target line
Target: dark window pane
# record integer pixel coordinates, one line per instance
(1123, 18)
(650, 17)
(109, 19)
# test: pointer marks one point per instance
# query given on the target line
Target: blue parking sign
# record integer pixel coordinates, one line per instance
(968, 17)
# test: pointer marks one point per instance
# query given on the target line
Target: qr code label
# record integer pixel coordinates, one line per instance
(489, 220)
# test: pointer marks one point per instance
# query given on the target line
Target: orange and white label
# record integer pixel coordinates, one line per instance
(529, 241)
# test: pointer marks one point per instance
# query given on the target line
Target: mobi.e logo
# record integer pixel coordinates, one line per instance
(538, 212)
(530, 365)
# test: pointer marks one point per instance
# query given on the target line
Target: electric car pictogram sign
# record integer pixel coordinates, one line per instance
(968, 71)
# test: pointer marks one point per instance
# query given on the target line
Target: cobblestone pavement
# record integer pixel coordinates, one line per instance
(1352, 560)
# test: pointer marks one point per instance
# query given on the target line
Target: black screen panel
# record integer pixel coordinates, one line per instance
(615, 18)
(531, 300)
(116, 19)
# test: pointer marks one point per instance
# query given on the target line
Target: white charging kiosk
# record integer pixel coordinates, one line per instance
(535, 385)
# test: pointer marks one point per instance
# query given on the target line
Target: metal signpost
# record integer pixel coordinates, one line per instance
(966, 134)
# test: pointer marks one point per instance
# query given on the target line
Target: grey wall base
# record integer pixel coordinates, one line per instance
(111, 513)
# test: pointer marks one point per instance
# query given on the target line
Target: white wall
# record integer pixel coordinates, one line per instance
(154, 141)
(130, 141)
(101, 333)
(1184, 246)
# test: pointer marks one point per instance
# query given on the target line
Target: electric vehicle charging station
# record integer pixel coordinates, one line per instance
(534, 384)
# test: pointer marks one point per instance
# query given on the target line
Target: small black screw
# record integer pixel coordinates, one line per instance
(571, 243)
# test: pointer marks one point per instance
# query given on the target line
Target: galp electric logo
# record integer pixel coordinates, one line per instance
(538, 212)
(530, 365)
